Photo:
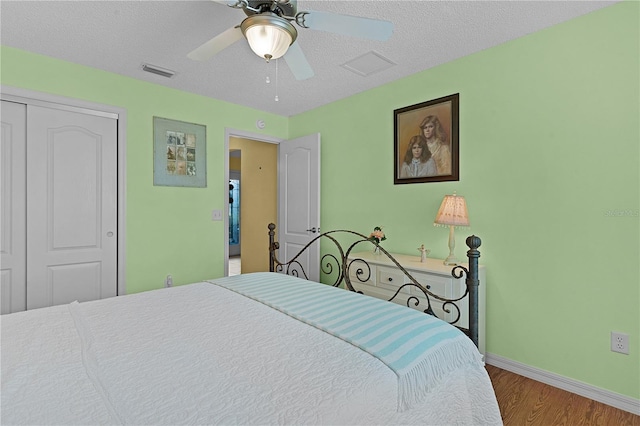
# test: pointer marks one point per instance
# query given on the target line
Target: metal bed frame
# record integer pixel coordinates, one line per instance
(340, 265)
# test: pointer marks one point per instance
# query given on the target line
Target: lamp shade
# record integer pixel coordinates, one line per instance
(452, 212)
(269, 36)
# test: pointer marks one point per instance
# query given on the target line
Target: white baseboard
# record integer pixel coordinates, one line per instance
(604, 396)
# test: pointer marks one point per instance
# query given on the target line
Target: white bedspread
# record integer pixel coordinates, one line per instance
(201, 354)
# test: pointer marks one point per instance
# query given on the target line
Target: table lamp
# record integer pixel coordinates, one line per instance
(452, 212)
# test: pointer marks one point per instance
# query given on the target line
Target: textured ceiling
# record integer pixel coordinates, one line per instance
(119, 36)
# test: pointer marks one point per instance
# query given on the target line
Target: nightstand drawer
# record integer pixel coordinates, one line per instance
(360, 273)
(391, 279)
(438, 284)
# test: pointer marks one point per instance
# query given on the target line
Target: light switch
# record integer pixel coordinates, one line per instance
(216, 215)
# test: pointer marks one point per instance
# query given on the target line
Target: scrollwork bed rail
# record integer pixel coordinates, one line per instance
(340, 265)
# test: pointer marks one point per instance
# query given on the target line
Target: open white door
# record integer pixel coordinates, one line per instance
(299, 201)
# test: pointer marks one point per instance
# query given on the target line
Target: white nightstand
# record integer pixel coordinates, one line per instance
(385, 278)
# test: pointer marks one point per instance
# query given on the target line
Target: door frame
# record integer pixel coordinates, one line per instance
(31, 97)
(243, 134)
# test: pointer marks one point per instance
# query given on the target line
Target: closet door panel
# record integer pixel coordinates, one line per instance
(73, 179)
(71, 217)
(13, 207)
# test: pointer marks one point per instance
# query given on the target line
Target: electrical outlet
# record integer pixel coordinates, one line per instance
(168, 282)
(620, 342)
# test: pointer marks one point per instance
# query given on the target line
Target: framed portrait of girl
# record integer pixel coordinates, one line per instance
(426, 145)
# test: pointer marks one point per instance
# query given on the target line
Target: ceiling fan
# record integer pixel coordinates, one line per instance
(271, 35)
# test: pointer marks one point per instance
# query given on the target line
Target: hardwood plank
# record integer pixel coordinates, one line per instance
(526, 402)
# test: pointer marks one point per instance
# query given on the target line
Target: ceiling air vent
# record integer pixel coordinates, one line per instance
(158, 71)
(369, 63)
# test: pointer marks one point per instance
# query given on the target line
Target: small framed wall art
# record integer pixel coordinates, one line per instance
(426, 141)
(179, 153)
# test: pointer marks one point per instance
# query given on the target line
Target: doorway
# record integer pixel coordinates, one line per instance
(252, 202)
(281, 185)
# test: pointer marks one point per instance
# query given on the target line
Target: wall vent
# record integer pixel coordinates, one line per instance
(158, 71)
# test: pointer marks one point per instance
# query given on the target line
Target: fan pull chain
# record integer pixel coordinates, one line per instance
(276, 98)
(266, 67)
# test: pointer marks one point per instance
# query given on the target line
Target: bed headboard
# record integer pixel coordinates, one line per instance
(338, 265)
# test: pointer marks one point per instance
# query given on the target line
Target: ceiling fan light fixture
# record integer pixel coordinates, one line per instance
(269, 35)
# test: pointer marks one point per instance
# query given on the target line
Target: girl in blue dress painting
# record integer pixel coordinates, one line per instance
(417, 160)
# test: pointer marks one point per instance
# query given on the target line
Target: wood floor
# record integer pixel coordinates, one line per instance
(524, 401)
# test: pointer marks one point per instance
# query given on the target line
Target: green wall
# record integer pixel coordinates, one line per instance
(549, 160)
(168, 229)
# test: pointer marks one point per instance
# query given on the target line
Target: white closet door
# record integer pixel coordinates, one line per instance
(72, 207)
(13, 208)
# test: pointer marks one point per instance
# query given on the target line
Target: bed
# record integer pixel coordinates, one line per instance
(342, 266)
(261, 348)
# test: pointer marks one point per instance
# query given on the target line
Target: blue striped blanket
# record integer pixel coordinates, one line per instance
(420, 349)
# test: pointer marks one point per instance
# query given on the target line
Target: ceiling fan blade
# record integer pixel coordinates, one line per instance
(298, 63)
(231, 3)
(216, 44)
(356, 26)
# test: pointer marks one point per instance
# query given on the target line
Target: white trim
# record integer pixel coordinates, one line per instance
(30, 97)
(228, 133)
(47, 100)
(586, 390)
(122, 197)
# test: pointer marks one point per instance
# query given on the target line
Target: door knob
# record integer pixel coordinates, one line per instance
(313, 230)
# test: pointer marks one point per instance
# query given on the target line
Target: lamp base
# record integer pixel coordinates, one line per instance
(451, 261)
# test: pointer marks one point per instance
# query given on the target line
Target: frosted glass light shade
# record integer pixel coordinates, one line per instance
(269, 36)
